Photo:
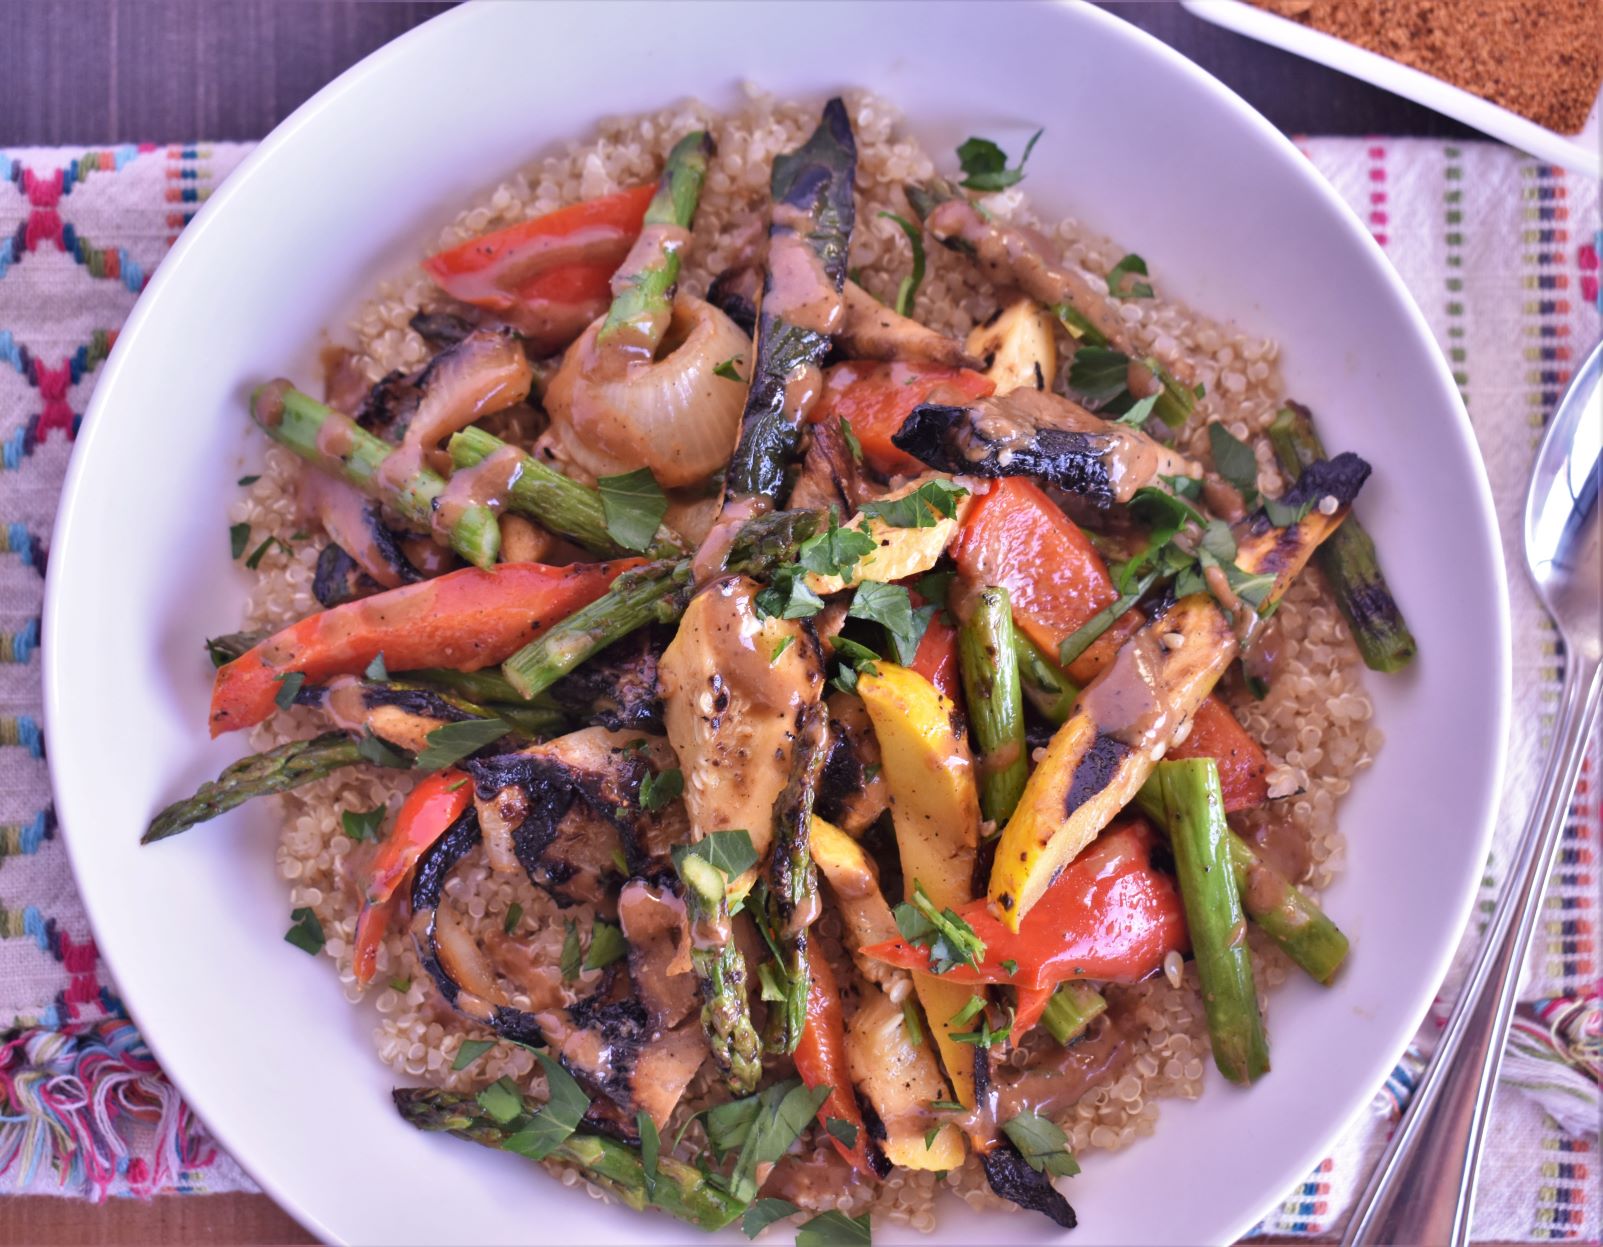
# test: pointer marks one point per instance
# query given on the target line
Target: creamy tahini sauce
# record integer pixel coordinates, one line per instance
(346, 516)
(1129, 700)
(636, 341)
(797, 288)
(713, 553)
(485, 484)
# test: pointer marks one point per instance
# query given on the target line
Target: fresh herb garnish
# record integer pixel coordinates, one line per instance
(871, 772)
(1283, 516)
(306, 933)
(502, 1101)
(924, 507)
(650, 1147)
(1078, 641)
(784, 644)
(845, 1131)
(1099, 374)
(470, 1051)
(362, 825)
(1042, 1143)
(238, 538)
(402, 985)
(984, 164)
(450, 743)
(935, 586)
(910, 1023)
(633, 504)
(949, 939)
(255, 559)
(970, 1011)
(985, 1037)
(606, 946)
(1010, 967)
(764, 1213)
(568, 962)
(836, 550)
(249, 480)
(850, 438)
(560, 1116)
(891, 607)
(788, 597)
(835, 1229)
(514, 915)
(930, 1136)
(376, 670)
(1234, 460)
(1131, 266)
(946, 1106)
(782, 1113)
(1140, 412)
(906, 292)
(289, 687)
(730, 851)
(852, 660)
(658, 788)
(726, 370)
(379, 752)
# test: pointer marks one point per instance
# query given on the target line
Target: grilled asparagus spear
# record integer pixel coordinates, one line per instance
(725, 1011)
(334, 443)
(802, 304)
(1073, 1007)
(657, 592)
(682, 1190)
(643, 287)
(793, 900)
(987, 654)
(1194, 810)
(1348, 559)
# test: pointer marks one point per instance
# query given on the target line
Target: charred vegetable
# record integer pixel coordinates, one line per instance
(995, 701)
(1348, 559)
(725, 1011)
(1195, 814)
(670, 1185)
(801, 306)
(1029, 432)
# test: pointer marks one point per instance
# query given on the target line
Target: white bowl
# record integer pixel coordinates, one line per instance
(1140, 144)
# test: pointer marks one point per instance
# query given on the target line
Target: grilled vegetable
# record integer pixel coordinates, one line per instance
(552, 500)
(725, 1011)
(901, 550)
(549, 277)
(1109, 917)
(681, 1190)
(821, 1061)
(277, 770)
(1127, 716)
(854, 882)
(936, 810)
(1016, 347)
(336, 444)
(994, 700)
(793, 903)
(936, 658)
(801, 306)
(900, 1080)
(1030, 432)
(1072, 1009)
(654, 593)
(617, 688)
(642, 288)
(468, 618)
(1194, 812)
(1348, 559)
(875, 399)
(874, 331)
(656, 925)
(851, 792)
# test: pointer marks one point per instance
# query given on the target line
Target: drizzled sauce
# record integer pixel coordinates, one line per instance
(798, 290)
(635, 341)
(485, 484)
(1128, 701)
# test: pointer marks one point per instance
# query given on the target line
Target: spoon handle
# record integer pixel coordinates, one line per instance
(1423, 1190)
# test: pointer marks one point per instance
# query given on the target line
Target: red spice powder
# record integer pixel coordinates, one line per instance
(1542, 59)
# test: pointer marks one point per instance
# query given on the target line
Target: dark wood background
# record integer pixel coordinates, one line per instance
(93, 72)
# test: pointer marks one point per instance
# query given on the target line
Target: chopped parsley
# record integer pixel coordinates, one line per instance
(306, 933)
(514, 915)
(726, 370)
(238, 538)
(782, 1112)
(908, 290)
(1234, 460)
(784, 644)
(764, 1213)
(660, 787)
(558, 1118)
(249, 480)
(633, 504)
(1010, 967)
(853, 659)
(835, 1229)
(470, 1051)
(289, 687)
(850, 438)
(569, 961)
(1042, 1143)
(449, 744)
(930, 1136)
(984, 164)
(362, 825)
(788, 597)
(836, 550)
(402, 985)
(1078, 641)
(915, 1032)
(1140, 412)
(924, 507)
(845, 1131)
(950, 940)
(606, 946)
(1099, 374)
(891, 607)
(1133, 267)
(379, 752)
(255, 559)
(376, 670)
(730, 851)
(985, 1037)
(502, 1101)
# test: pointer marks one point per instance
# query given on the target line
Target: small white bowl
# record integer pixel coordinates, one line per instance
(1574, 151)
(1141, 145)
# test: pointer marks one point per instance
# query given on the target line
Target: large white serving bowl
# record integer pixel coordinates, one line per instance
(1141, 145)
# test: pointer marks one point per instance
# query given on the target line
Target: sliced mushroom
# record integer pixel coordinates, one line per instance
(657, 929)
(851, 793)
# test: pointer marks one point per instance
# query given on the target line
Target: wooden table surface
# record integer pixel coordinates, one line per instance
(93, 72)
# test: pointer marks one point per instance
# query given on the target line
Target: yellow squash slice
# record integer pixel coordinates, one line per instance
(898, 552)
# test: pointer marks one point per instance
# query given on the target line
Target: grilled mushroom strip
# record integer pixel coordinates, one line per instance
(1028, 432)
(617, 688)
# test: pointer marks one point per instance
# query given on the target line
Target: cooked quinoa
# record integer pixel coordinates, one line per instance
(1316, 722)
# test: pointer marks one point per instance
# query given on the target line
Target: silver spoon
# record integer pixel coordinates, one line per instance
(1424, 1188)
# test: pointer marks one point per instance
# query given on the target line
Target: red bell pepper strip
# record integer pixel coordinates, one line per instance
(551, 276)
(429, 809)
(1109, 917)
(465, 619)
(1031, 1003)
(936, 658)
(821, 1062)
(877, 397)
(1017, 537)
